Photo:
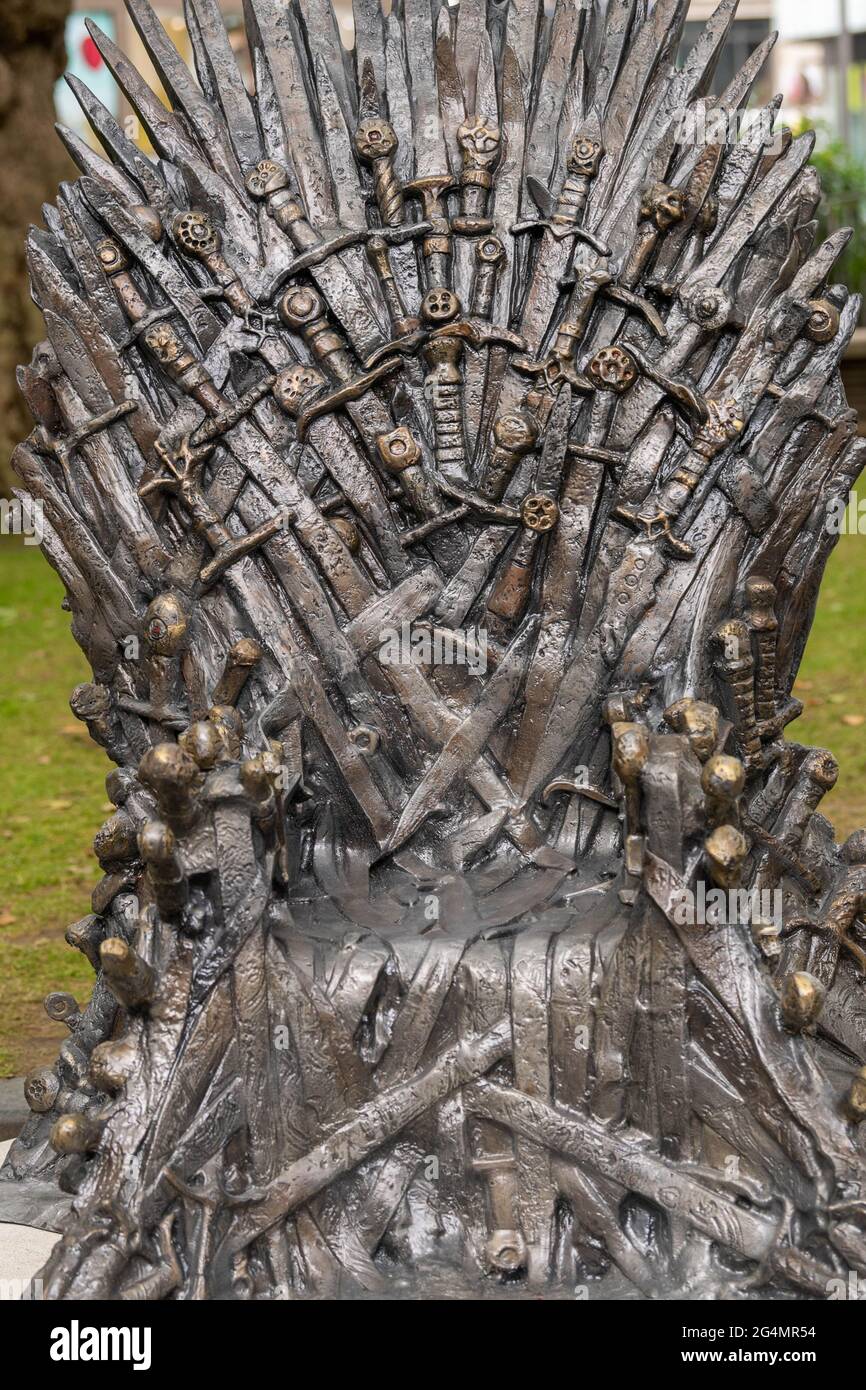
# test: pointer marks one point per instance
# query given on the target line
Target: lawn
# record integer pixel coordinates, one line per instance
(53, 796)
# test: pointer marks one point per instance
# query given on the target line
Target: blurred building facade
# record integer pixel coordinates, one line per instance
(819, 64)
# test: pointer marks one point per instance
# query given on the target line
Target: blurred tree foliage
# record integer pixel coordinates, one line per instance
(32, 56)
(843, 179)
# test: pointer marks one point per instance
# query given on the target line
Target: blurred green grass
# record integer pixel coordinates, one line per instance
(832, 682)
(53, 799)
(52, 777)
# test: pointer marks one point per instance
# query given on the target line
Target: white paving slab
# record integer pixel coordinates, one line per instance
(23, 1251)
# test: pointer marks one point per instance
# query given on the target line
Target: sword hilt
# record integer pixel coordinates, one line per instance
(584, 158)
(480, 145)
(402, 323)
(376, 145)
(515, 434)
(400, 454)
(302, 310)
(736, 666)
(761, 598)
(489, 259)
(436, 246)
(197, 237)
(538, 514)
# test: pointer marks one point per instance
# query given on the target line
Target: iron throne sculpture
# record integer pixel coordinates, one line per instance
(436, 446)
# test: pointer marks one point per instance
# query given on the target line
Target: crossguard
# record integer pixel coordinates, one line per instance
(618, 294)
(561, 233)
(476, 336)
(182, 464)
(554, 370)
(493, 511)
(333, 400)
(317, 255)
(564, 784)
(655, 528)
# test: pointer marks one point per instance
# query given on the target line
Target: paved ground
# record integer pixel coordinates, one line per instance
(13, 1107)
(23, 1251)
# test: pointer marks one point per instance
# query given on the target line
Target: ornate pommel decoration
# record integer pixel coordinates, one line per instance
(163, 342)
(662, 205)
(398, 450)
(266, 178)
(539, 512)
(480, 145)
(584, 156)
(376, 144)
(479, 141)
(165, 625)
(196, 235)
(516, 431)
(294, 385)
(612, 369)
(111, 256)
(375, 139)
(724, 425)
(439, 306)
(707, 306)
(41, 1089)
(300, 306)
(823, 322)
(490, 251)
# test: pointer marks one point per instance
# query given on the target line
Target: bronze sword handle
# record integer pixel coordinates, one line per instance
(489, 259)
(269, 182)
(444, 380)
(402, 323)
(480, 143)
(584, 158)
(436, 246)
(197, 237)
(736, 667)
(539, 514)
(400, 454)
(376, 145)
(302, 310)
(761, 598)
(515, 434)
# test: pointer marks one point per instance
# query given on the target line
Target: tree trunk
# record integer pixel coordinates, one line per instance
(32, 56)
